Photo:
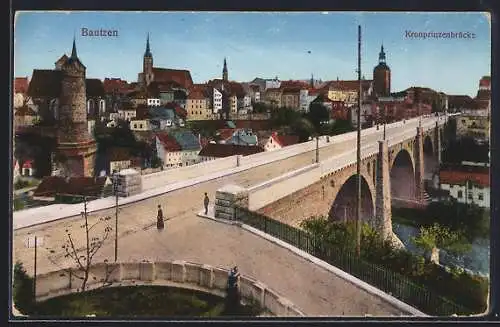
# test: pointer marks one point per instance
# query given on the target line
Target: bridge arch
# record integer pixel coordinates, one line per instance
(343, 207)
(402, 174)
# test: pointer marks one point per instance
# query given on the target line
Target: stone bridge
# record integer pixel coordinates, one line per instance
(392, 172)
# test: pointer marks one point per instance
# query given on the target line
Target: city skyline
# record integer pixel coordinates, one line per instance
(286, 45)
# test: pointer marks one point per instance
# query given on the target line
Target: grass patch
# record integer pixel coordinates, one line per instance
(138, 301)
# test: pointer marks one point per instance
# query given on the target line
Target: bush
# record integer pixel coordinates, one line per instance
(23, 289)
(462, 288)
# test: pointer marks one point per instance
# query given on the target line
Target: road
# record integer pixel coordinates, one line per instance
(191, 238)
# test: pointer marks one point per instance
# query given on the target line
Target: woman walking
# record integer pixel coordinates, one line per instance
(159, 219)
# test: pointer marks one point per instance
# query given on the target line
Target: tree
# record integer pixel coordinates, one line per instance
(260, 107)
(318, 114)
(303, 129)
(23, 289)
(92, 246)
(284, 117)
(156, 162)
(435, 237)
(341, 126)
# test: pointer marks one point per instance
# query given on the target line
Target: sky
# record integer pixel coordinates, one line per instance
(266, 45)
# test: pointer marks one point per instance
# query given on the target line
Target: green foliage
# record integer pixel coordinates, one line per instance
(341, 126)
(317, 114)
(23, 290)
(260, 107)
(437, 236)
(468, 220)
(303, 129)
(460, 287)
(18, 204)
(465, 149)
(138, 301)
(156, 162)
(284, 117)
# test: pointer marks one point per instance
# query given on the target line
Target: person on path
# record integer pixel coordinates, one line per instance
(159, 219)
(206, 201)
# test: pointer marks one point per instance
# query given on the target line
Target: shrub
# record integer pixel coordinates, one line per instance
(23, 290)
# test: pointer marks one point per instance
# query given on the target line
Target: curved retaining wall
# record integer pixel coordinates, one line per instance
(179, 274)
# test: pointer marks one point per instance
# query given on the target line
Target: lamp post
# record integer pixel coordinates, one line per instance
(358, 154)
(115, 189)
(317, 148)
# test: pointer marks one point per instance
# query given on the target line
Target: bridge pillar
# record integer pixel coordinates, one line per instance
(383, 212)
(419, 165)
(226, 198)
(437, 143)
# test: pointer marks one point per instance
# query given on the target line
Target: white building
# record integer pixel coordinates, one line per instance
(217, 101)
(140, 125)
(127, 114)
(368, 110)
(467, 184)
(153, 102)
(276, 142)
(247, 102)
(273, 83)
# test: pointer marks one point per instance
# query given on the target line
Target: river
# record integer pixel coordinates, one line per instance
(477, 260)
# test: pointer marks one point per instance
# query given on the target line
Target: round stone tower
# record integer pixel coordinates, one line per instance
(76, 148)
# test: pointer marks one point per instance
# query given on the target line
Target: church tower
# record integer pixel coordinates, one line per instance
(382, 76)
(224, 72)
(147, 65)
(76, 148)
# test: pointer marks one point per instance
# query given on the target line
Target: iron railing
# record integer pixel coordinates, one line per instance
(388, 281)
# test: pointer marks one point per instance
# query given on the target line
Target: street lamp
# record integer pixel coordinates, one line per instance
(115, 189)
(317, 148)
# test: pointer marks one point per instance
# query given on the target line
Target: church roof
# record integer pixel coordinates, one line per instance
(349, 85)
(183, 77)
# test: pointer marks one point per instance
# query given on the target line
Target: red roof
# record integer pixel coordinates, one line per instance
(352, 85)
(28, 164)
(21, 85)
(285, 140)
(485, 81)
(115, 85)
(294, 84)
(196, 94)
(169, 143)
(478, 175)
(183, 77)
(226, 133)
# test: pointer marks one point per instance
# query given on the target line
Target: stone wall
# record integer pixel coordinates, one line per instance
(179, 274)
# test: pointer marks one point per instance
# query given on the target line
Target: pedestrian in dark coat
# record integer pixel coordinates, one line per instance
(206, 201)
(159, 219)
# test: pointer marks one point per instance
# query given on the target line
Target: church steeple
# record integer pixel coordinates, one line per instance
(381, 55)
(73, 51)
(224, 71)
(312, 81)
(148, 51)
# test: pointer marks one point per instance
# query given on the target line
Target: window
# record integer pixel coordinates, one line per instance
(480, 196)
(135, 125)
(460, 194)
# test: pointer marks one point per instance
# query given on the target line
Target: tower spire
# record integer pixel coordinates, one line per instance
(148, 51)
(381, 55)
(73, 51)
(224, 71)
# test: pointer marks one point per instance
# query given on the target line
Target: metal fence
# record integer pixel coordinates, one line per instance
(388, 281)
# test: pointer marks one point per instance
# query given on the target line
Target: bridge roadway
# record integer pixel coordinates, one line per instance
(188, 237)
